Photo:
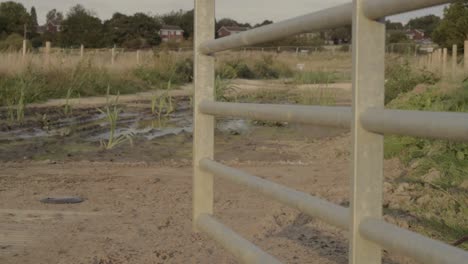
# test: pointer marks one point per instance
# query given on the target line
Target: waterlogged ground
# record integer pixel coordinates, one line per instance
(49, 134)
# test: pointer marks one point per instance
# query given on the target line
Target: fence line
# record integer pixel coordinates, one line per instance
(367, 118)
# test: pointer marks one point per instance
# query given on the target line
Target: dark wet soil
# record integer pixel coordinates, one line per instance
(50, 135)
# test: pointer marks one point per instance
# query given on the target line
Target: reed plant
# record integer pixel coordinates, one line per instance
(112, 112)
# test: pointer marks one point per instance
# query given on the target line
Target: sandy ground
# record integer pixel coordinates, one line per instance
(241, 85)
(141, 212)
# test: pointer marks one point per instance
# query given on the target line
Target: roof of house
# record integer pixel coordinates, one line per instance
(234, 28)
(170, 27)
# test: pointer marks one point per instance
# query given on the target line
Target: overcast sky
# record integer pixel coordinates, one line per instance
(242, 10)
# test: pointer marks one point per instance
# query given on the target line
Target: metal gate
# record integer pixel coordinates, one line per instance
(367, 118)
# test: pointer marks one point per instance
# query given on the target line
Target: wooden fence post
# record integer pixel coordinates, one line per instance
(113, 56)
(367, 147)
(454, 60)
(82, 51)
(138, 57)
(466, 56)
(444, 62)
(47, 52)
(25, 47)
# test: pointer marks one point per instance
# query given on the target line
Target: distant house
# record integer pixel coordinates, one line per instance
(171, 33)
(415, 34)
(227, 31)
(49, 27)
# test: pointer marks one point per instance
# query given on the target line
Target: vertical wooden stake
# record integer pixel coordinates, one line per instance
(466, 56)
(25, 47)
(113, 56)
(204, 125)
(47, 52)
(444, 62)
(367, 147)
(82, 51)
(138, 57)
(454, 60)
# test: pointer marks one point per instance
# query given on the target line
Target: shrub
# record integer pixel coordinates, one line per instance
(267, 68)
(13, 42)
(402, 79)
(184, 71)
(235, 69)
(315, 77)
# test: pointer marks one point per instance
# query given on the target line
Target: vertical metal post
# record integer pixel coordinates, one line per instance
(454, 60)
(204, 125)
(367, 148)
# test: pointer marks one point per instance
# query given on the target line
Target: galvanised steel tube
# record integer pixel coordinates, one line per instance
(234, 243)
(326, 19)
(376, 9)
(435, 125)
(318, 115)
(328, 212)
(422, 249)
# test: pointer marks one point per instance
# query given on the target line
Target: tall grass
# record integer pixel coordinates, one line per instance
(89, 76)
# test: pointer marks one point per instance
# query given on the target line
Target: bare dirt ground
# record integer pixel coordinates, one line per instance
(137, 206)
(141, 212)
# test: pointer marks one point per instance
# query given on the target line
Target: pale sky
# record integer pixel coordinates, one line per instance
(242, 10)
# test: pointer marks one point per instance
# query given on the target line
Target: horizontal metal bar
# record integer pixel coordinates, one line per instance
(329, 212)
(376, 9)
(326, 19)
(234, 243)
(422, 249)
(316, 115)
(436, 125)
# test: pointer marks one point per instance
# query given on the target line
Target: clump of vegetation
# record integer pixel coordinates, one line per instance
(16, 94)
(162, 104)
(268, 68)
(112, 112)
(437, 168)
(401, 78)
(321, 96)
(222, 88)
(320, 77)
(67, 108)
(235, 69)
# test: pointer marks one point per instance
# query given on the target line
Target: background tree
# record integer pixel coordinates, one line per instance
(13, 17)
(82, 26)
(34, 22)
(54, 20)
(426, 23)
(389, 25)
(264, 23)
(453, 29)
(339, 35)
(54, 17)
(396, 36)
(137, 31)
